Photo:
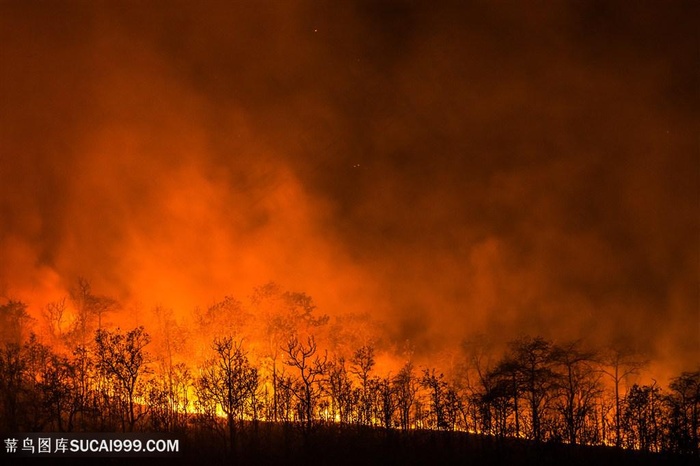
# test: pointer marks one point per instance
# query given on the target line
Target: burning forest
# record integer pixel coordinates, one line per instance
(467, 230)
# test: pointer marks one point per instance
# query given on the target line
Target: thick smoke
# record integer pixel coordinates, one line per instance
(448, 170)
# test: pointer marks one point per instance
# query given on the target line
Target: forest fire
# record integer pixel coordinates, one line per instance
(260, 361)
(380, 215)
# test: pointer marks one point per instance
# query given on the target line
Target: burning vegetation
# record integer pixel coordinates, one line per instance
(407, 217)
(276, 359)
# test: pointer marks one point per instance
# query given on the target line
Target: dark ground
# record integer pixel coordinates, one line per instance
(331, 445)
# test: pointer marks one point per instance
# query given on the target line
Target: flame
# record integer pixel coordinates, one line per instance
(369, 178)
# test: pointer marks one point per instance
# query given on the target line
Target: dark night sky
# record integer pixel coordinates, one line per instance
(497, 167)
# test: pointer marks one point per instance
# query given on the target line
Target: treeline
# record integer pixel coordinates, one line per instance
(116, 380)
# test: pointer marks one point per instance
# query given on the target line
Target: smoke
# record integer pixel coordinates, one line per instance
(446, 170)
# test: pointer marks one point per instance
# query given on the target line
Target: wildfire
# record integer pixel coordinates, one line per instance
(388, 216)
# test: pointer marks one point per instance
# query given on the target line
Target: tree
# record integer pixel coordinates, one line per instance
(168, 399)
(578, 385)
(386, 391)
(90, 309)
(505, 385)
(478, 375)
(12, 373)
(339, 388)
(46, 387)
(406, 388)
(221, 319)
(282, 316)
(641, 417)
(437, 389)
(54, 315)
(311, 368)
(34, 389)
(170, 340)
(684, 402)
(500, 399)
(122, 360)
(229, 381)
(82, 371)
(620, 362)
(14, 322)
(532, 359)
(362, 364)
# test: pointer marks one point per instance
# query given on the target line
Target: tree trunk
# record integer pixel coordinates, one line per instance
(232, 433)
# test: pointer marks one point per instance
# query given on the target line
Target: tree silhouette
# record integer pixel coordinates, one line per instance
(538, 389)
(532, 359)
(504, 386)
(684, 404)
(14, 322)
(641, 417)
(121, 359)
(362, 364)
(174, 378)
(478, 375)
(437, 389)
(310, 369)
(55, 316)
(12, 373)
(406, 387)
(386, 391)
(579, 386)
(90, 309)
(619, 362)
(500, 400)
(282, 315)
(339, 389)
(228, 380)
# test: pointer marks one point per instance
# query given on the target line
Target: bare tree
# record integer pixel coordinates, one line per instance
(684, 401)
(500, 400)
(505, 384)
(406, 387)
(12, 373)
(477, 380)
(228, 380)
(14, 322)
(362, 364)
(339, 389)
(641, 416)
(618, 364)
(168, 400)
(532, 358)
(90, 309)
(282, 315)
(121, 359)
(437, 389)
(387, 400)
(310, 368)
(170, 340)
(55, 316)
(579, 386)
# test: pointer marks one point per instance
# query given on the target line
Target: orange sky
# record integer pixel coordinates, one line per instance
(445, 169)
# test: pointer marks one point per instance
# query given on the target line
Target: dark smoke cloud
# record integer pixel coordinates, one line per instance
(450, 169)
